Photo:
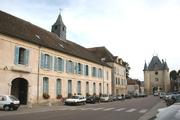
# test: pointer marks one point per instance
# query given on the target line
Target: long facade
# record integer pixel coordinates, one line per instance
(35, 62)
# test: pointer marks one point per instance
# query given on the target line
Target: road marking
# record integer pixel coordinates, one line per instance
(108, 109)
(98, 108)
(143, 111)
(120, 109)
(131, 110)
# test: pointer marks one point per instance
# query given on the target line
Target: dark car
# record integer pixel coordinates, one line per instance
(92, 99)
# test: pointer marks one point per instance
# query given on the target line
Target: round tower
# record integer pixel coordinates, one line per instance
(146, 79)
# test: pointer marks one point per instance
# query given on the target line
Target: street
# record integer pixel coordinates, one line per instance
(131, 109)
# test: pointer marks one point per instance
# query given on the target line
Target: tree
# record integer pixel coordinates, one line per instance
(173, 75)
(127, 68)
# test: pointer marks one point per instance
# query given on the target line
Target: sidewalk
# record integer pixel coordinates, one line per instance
(153, 111)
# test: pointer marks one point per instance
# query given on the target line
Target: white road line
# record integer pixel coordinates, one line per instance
(143, 111)
(98, 108)
(131, 110)
(121, 109)
(108, 109)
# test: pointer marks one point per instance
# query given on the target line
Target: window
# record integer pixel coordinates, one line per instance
(94, 72)
(45, 85)
(86, 70)
(100, 88)
(107, 75)
(107, 89)
(58, 87)
(58, 64)
(69, 66)
(21, 56)
(156, 73)
(79, 68)
(87, 87)
(79, 87)
(69, 86)
(46, 61)
(94, 88)
(100, 73)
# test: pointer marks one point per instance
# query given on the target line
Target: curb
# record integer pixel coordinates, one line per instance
(153, 111)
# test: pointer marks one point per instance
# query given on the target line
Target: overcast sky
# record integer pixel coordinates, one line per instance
(134, 30)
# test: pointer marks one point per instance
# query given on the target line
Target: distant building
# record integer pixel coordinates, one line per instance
(134, 86)
(119, 81)
(156, 76)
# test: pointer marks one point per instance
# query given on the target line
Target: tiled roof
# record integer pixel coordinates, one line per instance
(103, 53)
(18, 28)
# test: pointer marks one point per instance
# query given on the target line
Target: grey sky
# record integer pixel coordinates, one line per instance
(131, 29)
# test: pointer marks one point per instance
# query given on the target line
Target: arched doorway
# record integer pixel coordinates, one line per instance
(19, 88)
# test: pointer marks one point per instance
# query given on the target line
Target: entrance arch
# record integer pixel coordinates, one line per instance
(19, 88)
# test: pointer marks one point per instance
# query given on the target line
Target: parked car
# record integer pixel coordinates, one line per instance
(169, 113)
(173, 99)
(9, 102)
(75, 100)
(92, 99)
(162, 95)
(120, 97)
(142, 95)
(155, 93)
(104, 98)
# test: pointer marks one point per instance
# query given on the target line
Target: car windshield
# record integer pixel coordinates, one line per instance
(75, 97)
(13, 98)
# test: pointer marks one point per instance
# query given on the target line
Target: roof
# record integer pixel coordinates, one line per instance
(103, 53)
(18, 28)
(156, 64)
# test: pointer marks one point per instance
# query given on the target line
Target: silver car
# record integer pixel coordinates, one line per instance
(9, 102)
(169, 113)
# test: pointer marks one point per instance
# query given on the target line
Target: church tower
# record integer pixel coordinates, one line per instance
(59, 28)
(156, 76)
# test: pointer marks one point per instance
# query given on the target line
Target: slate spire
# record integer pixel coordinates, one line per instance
(59, 28)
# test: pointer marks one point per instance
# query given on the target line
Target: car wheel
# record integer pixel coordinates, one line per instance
(6, 108)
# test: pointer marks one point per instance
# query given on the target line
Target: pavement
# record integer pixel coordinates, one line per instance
(153, 111)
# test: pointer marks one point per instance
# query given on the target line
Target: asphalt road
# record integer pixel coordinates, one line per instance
(131, 109)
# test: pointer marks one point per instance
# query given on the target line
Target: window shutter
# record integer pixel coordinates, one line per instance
(26, 57)
(67, 62)
(76, 67)
(55, 63)
(16, 55)
(42, 60)
(62, 65)
(72, 67)
(82, 69)
(50, 62)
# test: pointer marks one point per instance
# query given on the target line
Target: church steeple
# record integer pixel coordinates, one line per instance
(59, 28)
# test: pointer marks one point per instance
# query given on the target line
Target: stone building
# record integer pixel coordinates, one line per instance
(119, 81)
(156, 76)
(37, 65)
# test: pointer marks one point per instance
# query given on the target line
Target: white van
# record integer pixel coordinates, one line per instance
(9, 102)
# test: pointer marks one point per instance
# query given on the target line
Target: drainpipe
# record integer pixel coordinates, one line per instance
(38, 74)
